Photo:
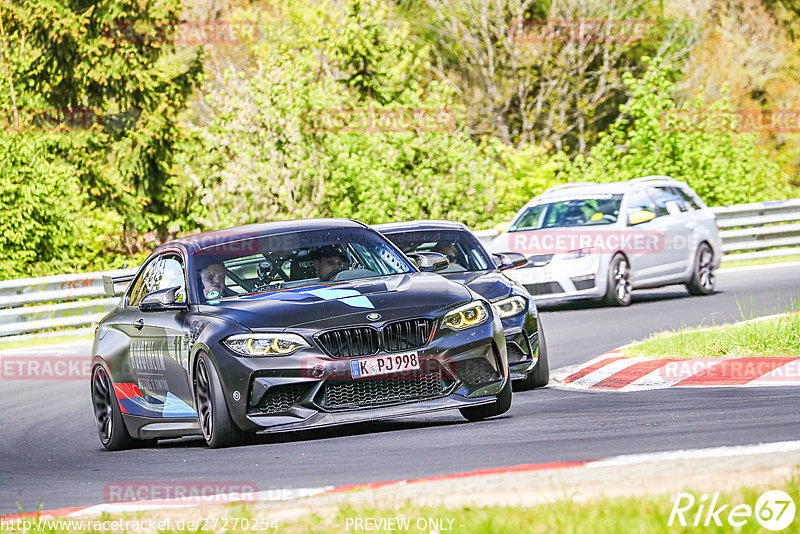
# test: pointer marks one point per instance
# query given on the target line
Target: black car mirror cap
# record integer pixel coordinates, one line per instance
(163, 299)
(509, 260)
(430, 262)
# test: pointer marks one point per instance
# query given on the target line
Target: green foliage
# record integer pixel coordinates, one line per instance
(268, 156)
(653, 136)
(114, 62)
(116, 59)
(45, 227)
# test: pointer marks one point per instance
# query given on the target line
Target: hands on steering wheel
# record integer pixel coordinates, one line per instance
(331, 275)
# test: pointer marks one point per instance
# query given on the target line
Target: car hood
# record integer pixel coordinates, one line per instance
(491, 285)
(336, 304)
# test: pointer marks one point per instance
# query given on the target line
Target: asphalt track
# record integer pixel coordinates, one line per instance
(50, 456)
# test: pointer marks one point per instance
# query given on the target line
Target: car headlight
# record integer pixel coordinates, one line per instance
(466, 316)
(510, 306)
(265, 344)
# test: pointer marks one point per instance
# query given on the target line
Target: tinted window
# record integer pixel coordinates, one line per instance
(260, 264)
(462, 249)
(161, 273)
(667, 201)
(573, 211)
(688, 198)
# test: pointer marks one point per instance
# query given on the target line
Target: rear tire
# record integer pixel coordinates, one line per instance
(703, 278)
(110, 426)
(476, 413)
(539, 376)
(218, 427)
(618, 292)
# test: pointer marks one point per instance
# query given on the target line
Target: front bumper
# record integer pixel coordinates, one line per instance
(312, 389)
(564, 278)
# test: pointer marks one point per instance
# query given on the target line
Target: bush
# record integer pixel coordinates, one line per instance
(721, 164)
(46, 226)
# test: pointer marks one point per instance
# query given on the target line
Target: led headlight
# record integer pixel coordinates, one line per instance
(466, 316)
(265, 344)
(509, 307)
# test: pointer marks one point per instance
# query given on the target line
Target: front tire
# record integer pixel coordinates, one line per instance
(703, 278)
(539, 376)
(476, 413)
(618, 292)
(218, 428)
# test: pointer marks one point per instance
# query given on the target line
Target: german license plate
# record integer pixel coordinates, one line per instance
(384, 365)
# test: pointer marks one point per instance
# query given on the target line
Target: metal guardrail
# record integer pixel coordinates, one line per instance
(760, 229)
(757, 230)
(36, 304)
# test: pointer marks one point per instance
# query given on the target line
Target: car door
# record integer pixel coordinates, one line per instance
(646, 265)
(158, 350)
(677, 223)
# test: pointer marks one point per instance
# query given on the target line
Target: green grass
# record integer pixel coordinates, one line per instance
(759, 261)
(773, 337)
(642, 514)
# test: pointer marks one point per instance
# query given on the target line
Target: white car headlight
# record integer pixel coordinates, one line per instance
(466, 316)
(509, 307)
(265, 344)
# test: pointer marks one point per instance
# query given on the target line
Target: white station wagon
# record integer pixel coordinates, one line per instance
(590, 240)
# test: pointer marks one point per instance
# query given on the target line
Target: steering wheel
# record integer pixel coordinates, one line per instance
(332, 275)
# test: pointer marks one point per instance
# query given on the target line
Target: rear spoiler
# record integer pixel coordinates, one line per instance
(115, 286)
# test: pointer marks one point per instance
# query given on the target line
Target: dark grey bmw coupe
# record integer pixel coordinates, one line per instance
(290, 325)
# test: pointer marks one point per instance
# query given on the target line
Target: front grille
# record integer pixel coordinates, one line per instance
(280, 398)
(476, 371)
(406, 335)
(544, 288)
(350, 342)
(585, 283)
(384, 390)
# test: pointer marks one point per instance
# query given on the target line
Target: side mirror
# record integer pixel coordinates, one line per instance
(163, 299)
(640, 216)
(509, 260)
(502, 227)
(430, 262)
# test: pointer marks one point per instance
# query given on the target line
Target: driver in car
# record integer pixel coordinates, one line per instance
(213, 278)
(328, 261)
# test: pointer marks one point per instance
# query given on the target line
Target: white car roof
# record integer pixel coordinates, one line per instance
(606, 188)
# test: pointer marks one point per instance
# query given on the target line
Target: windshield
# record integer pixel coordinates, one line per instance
(277, 262)
(462, 249)
(596, 210)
